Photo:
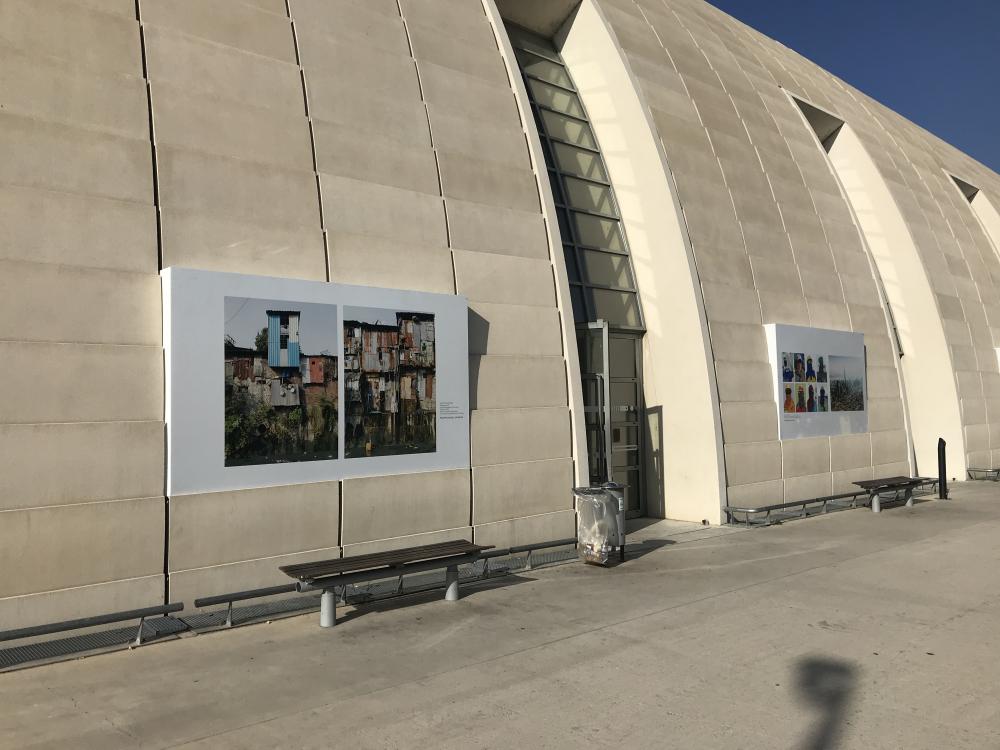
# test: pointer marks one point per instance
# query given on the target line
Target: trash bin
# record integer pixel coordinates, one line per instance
(600, 513)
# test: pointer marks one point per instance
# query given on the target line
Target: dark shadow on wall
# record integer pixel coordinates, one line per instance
(653, 441)
(827, 685)
(479, 335)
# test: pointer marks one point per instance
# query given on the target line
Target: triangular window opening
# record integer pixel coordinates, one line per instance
(826, 126)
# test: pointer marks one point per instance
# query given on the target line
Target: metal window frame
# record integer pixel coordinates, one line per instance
(573, 246)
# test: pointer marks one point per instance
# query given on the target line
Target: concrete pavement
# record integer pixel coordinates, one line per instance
(849, 630)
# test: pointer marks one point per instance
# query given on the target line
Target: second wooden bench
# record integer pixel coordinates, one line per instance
(325, 575)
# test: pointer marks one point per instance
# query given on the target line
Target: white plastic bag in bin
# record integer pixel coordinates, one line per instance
(600, 522)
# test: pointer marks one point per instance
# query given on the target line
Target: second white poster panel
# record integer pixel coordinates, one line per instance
(819, 378)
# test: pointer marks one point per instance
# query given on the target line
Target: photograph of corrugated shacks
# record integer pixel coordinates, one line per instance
(390, 395)
(281, 381)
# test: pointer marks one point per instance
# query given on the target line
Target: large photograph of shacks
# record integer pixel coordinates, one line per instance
(281, 381)
(390, 390)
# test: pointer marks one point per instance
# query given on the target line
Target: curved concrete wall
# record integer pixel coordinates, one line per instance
(685, 476)
(359, 142)
(385, 143)
(82, 437)
(775, 239)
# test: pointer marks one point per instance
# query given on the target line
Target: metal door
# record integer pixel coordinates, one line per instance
(611, 371)
(625, 406)
(592, 342)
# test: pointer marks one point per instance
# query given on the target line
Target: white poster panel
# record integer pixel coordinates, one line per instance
(273, 381)
(820, 385)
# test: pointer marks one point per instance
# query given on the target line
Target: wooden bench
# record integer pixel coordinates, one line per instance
(891, 489)
(325, 575)
(993, 474)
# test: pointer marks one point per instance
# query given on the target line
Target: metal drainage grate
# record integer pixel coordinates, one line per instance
(60, 648)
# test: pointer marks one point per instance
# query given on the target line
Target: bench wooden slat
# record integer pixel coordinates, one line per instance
(889, 482)
(324, 568)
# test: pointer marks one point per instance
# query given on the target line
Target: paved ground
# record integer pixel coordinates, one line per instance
(850, 630)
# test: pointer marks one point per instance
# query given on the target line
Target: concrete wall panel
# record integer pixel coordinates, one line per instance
(477, 139)
(57, 227)
(513, 329)
(545, 527)
(507, 382)
(391, 506)
(502, 436)
(348, 102)
(72, 384)
(109, 541)
(66, 463)
(482, 181)
(805, 487)
(360, 207)
(375, 24)
(374, 261)
(491, 229)
(383, 74)
(236, 189)
(197, 122)
(102, 42)
(356, 153)
(224, 527)
(109, 307)
(61, 91)
(81, 601)
(58, 157)
(489, 277)
(505, 491)
(217, 243)
(233, 24)
(468, 96)
(473, 58)
(201, 67)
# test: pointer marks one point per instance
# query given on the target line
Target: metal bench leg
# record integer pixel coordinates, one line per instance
(908, 494)
(138, 635)
(451, 584)
(327, 609)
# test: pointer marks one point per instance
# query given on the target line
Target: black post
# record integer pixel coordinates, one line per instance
(942, 471)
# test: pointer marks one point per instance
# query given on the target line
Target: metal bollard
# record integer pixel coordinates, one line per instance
(876, 504)
(451, 584)
(327, 609)
(942, 471)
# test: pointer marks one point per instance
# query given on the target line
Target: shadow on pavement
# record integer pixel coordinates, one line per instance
(635, 550)
(827, 685)
(468, 589)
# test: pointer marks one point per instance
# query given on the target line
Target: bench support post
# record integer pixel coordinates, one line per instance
(328, 608)
(451, 584)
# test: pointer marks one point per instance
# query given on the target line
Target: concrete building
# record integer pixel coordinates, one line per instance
(626, 192)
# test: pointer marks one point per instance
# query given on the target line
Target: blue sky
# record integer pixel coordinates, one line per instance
(245, 316)
(934, 62)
